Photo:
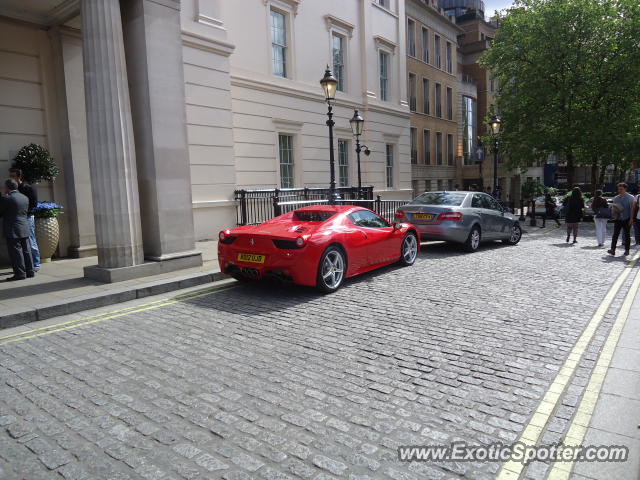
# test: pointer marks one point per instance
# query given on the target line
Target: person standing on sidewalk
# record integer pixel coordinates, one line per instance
(13, 210)
(602, 214)
(575, 205)
(627, 204)
(32, 194)
(550, 210)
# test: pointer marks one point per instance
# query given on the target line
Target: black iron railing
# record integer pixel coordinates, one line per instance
(257, 206)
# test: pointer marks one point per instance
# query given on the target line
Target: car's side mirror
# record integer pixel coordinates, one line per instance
(397, 226)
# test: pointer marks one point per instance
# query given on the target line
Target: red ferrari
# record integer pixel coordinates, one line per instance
(317, 246)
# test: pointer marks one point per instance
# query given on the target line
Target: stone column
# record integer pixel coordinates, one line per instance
(153, 46)
(112, 158)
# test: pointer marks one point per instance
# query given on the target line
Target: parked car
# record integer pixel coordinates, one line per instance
(467, 218)
(317, 246)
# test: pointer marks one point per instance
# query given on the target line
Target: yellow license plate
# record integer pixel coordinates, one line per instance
(251, 258)
(422, 216)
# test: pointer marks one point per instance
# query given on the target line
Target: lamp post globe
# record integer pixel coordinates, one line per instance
(329, 85)
(357, 123)
(495, 124)
(357, 127)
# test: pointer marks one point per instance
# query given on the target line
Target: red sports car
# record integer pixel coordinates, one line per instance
(317, 246)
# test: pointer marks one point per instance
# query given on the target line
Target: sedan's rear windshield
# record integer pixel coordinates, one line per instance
(312, 216)
(452, 199)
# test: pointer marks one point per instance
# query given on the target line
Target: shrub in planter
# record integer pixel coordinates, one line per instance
(36, 163)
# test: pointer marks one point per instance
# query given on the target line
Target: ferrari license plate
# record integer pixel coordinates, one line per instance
(251, 258)
(423, 216)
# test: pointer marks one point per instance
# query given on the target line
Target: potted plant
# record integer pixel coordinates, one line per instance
(47, 228)
(38, 165)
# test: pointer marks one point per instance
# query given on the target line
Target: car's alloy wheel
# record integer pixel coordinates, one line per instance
(516, 235)
(473, 240)
(331, 270)
(409, 250)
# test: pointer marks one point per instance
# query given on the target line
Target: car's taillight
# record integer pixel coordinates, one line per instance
(450, 216)
(226, 237)
(400, 214)
(299, 242)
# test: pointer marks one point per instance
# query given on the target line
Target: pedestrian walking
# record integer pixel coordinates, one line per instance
(14, 207)
(627, 204)
(31, 193)
(636, 220)
(550, 210)
(575, 206)
(601, 215)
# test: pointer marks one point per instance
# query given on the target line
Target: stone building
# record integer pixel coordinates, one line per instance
(157, 110)
(432, 86)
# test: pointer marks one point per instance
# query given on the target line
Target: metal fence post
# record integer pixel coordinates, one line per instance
(378, 204)
(243, 207)
(276, 204)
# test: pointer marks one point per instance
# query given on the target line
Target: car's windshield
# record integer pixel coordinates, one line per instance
(439, 198)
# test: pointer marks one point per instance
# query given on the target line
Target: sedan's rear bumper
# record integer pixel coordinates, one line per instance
(445, 231)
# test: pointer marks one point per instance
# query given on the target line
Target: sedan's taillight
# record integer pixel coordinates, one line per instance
(400, 214)
(450, 216)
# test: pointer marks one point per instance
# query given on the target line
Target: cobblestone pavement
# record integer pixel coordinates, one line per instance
(276, 383)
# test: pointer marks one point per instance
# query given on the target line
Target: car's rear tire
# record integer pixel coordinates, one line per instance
(516, 235)
(473, 240)
(331, 269)
(409, 249)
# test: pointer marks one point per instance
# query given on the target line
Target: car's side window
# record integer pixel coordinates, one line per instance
(478, 201)
(363, 218)
(493, 204)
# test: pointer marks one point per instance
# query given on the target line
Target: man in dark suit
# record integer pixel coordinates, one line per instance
(14, 208)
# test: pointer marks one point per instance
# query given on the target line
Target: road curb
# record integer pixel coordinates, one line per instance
(87, 302)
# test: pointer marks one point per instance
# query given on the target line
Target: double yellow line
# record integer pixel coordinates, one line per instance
(101, 317)
(512, 470)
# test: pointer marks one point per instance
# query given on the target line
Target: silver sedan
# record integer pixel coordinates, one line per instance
(468, 218)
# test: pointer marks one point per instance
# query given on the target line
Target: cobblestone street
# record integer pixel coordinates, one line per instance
(269, 382)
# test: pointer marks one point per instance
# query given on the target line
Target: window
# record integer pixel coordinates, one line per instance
(412, 92)
(450, 154)
(414, 146)
(426, 140)
(440, 185)
(384, 79)
(285, 148)
(437, 53)
(449, 58)
(425, 45)
(449, 104)
(389, 165)
(438, 100)
(438, 148)
(367, 219)
(469, 130)
(383, 3)
(426, 105)
(337, 46)
(343, 163)
(449, 184)
(278, 43)
(480, 200)
(411, 38)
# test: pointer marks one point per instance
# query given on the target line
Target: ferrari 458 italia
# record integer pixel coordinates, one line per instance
(317, 246)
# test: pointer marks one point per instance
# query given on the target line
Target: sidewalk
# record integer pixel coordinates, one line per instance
(60, 288)
(616, 418)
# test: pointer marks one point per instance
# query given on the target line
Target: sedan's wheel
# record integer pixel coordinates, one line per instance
(473, 240)
(516, 235)
(331, 270)
(409, 250)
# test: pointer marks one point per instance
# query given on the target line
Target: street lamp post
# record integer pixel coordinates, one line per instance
(357, 127)
(495, 131)
(329, 85)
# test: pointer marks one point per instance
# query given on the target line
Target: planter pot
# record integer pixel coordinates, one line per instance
(47, 236)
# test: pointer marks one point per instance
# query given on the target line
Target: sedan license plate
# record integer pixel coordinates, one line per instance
(423, 216)
(250, 258)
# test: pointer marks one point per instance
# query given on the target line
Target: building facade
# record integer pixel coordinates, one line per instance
(157, 110)
(432, 86)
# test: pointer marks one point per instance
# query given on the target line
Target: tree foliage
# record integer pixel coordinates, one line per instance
(569, 75)
(36, 163)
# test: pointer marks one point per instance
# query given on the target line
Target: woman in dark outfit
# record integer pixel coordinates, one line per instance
(575, 205)
(549, 210)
